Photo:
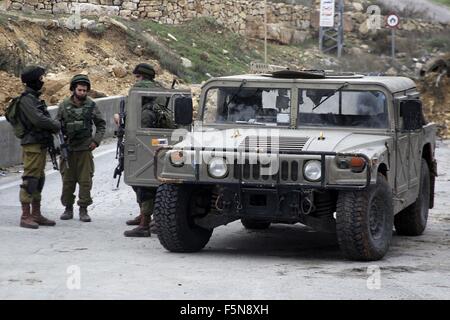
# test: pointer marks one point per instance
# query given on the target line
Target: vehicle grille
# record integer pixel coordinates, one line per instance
(288, 170)
(276, 144)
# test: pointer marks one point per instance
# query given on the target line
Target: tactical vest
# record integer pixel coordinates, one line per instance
(78, 122)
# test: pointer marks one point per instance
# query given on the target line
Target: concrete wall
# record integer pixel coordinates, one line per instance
(10, 150)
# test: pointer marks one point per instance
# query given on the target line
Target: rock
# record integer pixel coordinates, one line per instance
(119, 71)
(172, 37)
(355, 51)
(273, 31)
(391, 72)
(73, 23)
(225, 51)
(53, 100)
(359, 17)
(118, 24)
(204, 56)
(286, 35)
(348, 24)
(61, 7)
(364, 47)
(363, 28)
(358, 7)
(96, 94)
(186, 62)
(300, 37)
(139, 51)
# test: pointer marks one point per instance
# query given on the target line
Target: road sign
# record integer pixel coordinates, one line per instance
(327, 13)
(392, 20)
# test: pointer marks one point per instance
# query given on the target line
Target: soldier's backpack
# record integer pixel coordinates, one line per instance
(12, 116)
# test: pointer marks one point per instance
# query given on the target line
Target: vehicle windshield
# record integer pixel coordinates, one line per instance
(328, 107)
(243, 105)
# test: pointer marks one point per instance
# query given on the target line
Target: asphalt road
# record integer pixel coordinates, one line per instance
(76, 260)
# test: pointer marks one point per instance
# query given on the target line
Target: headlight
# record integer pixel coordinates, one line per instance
(217, 168)
(176, 158)
(313, 170)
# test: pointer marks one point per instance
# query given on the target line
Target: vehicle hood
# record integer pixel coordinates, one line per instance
(287, 139)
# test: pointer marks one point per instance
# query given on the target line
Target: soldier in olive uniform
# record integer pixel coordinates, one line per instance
(78, 113)
(38, 125)
(154, 115)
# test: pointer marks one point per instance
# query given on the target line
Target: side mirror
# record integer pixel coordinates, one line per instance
(411, 111)
(183, 110)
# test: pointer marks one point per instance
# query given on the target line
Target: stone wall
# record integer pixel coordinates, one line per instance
(239, 15)
(287, 24)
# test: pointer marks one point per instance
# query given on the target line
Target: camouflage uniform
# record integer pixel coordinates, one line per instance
(154, 115)
(77, 123)
(39, 127)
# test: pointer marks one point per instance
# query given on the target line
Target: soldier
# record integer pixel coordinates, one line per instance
(38, 128)
(154, 115)
(78, 113)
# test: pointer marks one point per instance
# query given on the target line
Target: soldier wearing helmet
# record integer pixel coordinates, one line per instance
(32, 114)
(78, 114)
(154, 115)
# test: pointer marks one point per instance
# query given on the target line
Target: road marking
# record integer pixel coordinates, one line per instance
(52, 171)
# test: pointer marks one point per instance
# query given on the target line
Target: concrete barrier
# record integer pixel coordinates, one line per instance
(10, 150)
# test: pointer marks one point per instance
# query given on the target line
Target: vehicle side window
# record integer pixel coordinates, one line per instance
(151, 109)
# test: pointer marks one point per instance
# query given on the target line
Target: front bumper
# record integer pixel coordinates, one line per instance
(278, 181)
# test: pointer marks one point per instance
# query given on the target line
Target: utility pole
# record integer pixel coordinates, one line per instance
(331, 34)
(265, 31)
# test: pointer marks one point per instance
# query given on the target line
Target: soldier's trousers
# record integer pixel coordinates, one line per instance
(80, 170)
(34, 157)
(145, 198)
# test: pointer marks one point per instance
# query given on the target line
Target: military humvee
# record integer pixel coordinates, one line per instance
(342, 153)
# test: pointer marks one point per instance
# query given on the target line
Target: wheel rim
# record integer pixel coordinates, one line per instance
(376, 218)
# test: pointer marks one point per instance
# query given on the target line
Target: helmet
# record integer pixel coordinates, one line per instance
(80, 78)
(145, 70)
(31, 74)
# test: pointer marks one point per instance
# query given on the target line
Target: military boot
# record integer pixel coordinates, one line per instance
(38, 217)
(143, 230)
(84, 215)
(26, 220)
(134, 222)
(67, 214)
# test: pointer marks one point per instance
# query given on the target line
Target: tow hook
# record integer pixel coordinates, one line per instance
(307, 203)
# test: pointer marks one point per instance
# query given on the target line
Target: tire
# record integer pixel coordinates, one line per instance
(252, 224)
(365, 221)
(173, 214)
(412, 220)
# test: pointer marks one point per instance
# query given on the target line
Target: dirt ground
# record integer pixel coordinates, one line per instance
(107, 60)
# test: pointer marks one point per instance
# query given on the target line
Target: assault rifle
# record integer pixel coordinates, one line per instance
(120, 149)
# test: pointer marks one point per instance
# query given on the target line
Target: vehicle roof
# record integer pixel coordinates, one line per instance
(393, 84)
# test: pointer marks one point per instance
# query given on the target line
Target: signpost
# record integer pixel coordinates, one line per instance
(392, 22)
(331, 34)
(327, 13)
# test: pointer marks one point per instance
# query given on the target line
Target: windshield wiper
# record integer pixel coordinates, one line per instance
(332, 94)
(236, 94)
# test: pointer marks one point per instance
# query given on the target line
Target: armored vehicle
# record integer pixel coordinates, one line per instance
(341, 153)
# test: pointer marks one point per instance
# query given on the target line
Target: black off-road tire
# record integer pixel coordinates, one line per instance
(412, 220)
(365, 221)
(252, 224)
(177, 231)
